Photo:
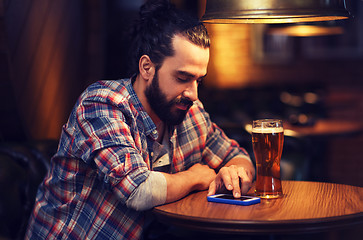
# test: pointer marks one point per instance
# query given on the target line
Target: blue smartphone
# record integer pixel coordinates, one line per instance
(229, 199)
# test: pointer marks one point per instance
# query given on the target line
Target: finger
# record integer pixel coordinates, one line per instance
(246, 181)
(235, 181)
(224, 175)
(212, 188)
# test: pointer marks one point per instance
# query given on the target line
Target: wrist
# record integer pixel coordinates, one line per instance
(179, 184)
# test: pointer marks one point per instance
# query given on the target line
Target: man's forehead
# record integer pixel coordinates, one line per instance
(189, 59)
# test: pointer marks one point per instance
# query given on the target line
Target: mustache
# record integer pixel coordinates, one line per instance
(184, 101)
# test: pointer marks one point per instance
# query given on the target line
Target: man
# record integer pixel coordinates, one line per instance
(133, 144)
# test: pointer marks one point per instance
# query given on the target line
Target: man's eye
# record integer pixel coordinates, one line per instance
(182, 80)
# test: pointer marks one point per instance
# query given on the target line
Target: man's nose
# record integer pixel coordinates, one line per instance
(192, 91)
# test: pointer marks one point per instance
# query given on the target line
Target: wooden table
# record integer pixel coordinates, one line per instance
(306, 207)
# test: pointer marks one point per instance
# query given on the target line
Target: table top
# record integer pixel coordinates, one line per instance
(305, 207)
(324, 127)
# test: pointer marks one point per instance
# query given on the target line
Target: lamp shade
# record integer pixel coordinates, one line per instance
(274, 11)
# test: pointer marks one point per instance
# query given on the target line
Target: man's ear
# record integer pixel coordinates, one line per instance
(146, 67)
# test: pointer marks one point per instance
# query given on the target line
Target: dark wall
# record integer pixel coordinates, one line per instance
(119, 16)
(45, 49)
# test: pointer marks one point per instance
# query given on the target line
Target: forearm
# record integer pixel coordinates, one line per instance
(164, 188)
(179, 185)
(160, 188)
(196, 178)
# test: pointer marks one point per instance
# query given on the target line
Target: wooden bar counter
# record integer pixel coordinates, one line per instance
(306, 207)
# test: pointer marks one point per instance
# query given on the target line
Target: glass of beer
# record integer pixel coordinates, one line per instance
(267, 142)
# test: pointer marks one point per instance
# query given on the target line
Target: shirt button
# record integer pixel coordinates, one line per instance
(106, 179)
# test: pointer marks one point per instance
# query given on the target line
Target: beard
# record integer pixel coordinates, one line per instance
(164, 109)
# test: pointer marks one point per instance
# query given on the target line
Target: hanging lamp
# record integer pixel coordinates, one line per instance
(274, 11)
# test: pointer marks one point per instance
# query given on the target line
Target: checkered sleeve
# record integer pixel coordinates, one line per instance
(104, 138)
(218, 149)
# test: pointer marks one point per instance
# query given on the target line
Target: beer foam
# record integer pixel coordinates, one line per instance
(267, 130)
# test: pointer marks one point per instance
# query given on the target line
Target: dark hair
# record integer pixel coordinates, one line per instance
(159, 21)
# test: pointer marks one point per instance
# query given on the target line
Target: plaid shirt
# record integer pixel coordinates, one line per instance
(104, 155)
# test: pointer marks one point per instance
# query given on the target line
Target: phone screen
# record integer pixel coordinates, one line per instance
(227, 196)
(229, 199)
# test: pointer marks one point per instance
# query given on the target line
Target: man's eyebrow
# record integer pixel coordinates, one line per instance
(187, 74)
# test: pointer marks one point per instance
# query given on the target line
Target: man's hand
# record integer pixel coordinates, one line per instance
(203, 175)
(236, 176)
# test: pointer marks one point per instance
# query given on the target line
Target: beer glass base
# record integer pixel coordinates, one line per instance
(269, 196)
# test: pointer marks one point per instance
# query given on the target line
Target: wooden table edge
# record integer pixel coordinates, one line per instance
(259, 226)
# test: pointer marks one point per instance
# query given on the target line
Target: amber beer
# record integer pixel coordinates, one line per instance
(267, 141)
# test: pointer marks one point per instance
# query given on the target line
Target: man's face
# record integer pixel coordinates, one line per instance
(166, 110)
(174, 87)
